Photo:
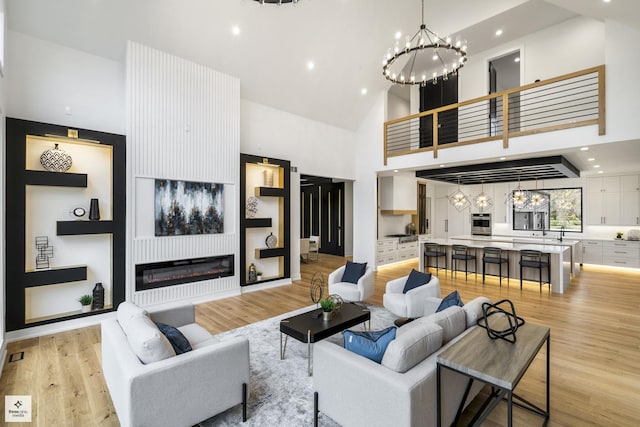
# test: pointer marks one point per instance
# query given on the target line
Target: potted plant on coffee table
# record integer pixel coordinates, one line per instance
(327, 304)
(85, 301)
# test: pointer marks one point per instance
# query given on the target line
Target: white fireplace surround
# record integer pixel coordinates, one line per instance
(183, 123)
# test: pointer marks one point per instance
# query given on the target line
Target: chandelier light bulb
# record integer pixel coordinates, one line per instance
(448, 40)
(458, 43)
(424, 77)
(398, 35)
(412, 78)
(435, 57)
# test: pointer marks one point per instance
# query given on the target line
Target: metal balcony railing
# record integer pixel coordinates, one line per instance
(568, 101)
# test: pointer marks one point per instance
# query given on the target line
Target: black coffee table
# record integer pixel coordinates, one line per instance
(310, 328)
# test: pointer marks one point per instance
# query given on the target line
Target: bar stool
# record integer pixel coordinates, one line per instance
(534, 259)
(493, 255)
(434, 250)
(461, 253)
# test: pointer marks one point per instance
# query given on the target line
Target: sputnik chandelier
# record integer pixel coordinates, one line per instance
(519, 197)
(423, 57)
(483, 201)
(459, 200)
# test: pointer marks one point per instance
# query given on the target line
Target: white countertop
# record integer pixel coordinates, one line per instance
(506, 246)
(516, 239)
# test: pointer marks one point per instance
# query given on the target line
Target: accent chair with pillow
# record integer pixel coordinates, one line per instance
(172, 380)
(353, 281)
(405, 297)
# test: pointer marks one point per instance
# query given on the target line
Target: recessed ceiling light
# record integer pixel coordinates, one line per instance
(499, 33)
(311, 65)
(590, 159)
(441, 166)
(503, 158)
(395, 170)
(600, 171)
(584, 149)
(363, 91)
(398, 35)
(235, 30)
(596, 166)
(516, 59)
(607, 1)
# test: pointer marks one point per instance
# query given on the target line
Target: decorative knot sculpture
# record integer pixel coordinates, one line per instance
(495, 329)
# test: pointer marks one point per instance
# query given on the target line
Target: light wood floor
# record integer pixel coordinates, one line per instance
(595, 348)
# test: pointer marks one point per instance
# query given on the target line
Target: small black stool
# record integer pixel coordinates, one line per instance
(434, 250)
(461, 253)
(493, 255)
(534, 259)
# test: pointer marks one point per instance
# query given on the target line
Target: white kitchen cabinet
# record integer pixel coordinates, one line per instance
(603, 202)
(604, 184)
(387, 251)
(592, 251)
(621, 253)
(501, 211)
(630, 209)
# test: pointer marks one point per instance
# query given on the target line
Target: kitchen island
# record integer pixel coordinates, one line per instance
(564, 264)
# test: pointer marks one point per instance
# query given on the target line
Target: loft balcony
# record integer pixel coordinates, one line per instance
(563, 102)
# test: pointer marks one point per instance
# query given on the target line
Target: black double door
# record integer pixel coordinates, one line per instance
(322, 214)
(444, 92)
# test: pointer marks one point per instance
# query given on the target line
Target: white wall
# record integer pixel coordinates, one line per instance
(623, 81)
(369, 145)
(315, 148)
(561, 49)
(397, 107)
(183, 124)
(47, 78)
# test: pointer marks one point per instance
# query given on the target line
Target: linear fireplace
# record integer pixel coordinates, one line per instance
(168, 273)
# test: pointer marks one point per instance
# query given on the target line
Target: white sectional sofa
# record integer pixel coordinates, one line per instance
(168, 389)
(401, 391)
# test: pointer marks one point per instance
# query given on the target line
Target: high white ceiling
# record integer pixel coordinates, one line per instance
(346, 40)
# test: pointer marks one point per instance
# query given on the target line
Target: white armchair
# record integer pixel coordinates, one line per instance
(352, 291)
(411, 304)
(180, 390)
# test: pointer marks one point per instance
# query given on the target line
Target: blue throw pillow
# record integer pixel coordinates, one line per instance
(178, 341)
(371, 345)
(415, 279)
(353, 271)
(452, 299)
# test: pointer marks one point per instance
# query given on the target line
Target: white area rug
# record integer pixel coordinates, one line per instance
(281, 391)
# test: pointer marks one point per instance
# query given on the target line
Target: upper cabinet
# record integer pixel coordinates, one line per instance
(398, 194)
(613, 200)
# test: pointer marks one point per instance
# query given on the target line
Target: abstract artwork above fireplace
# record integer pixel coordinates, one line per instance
(186, 208)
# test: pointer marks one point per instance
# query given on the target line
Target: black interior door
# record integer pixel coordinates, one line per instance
(309, 211)
(444, 92)
(332, 219)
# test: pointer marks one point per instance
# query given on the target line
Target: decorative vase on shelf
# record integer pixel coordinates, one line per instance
(268, 178)
(55, 160)
(98, 296)
(271, 241)
(94, 210)
(253, 274)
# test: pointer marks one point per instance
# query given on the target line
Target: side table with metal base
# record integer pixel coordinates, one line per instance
(498, 363)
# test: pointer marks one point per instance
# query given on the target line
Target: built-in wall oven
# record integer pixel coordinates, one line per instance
(481, 224)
